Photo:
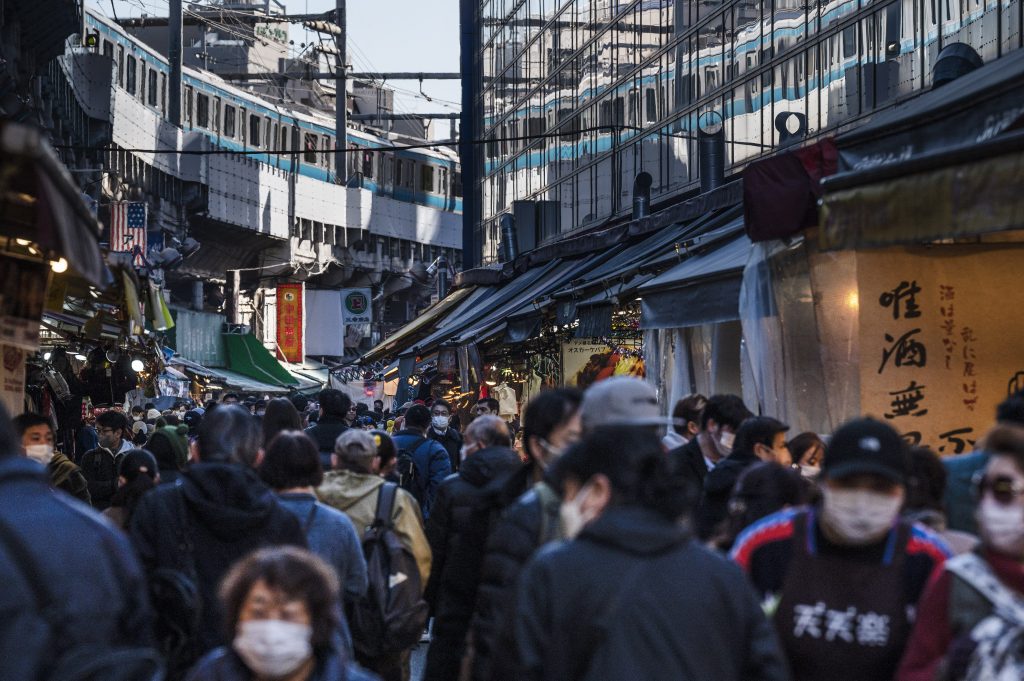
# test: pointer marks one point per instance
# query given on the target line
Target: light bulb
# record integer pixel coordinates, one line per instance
(80, 357)
(60, 265)
(46, 356)
(137, 365)
(22, 242)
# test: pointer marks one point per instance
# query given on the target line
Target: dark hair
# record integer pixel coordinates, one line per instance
(757, 430)
(229, 434)
(725, 410)
(418, 417)
(492, 404)
(334, 402)
(489, 431)
(139, 469)
(442, 403)
(291, 460)
(548, 411)
(689, 409)
(762, 489)
(1006, 440)
(1011, 410)
(385, 447)
(150, 405)
(280, 415)
(926, 481)
(137, 409)
(10, 442)
(633, 460)
(803, 443)
(380, 402)
(28, 420)
(297, 573)
(113, 420)
(230, 396)
(299, 401)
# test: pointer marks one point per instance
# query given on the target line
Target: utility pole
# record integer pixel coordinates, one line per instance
(341, 103)
(174, 50)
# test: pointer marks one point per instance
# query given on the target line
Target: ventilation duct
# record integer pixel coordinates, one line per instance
(642, 195)
(711, 155)
(955, 60)
(509, 243)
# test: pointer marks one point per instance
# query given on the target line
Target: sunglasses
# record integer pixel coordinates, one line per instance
(1004, 490)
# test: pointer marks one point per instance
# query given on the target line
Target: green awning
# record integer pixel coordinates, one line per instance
(247, 356)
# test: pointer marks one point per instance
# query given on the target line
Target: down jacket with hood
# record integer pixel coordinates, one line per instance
(457, 531)
(227, 512)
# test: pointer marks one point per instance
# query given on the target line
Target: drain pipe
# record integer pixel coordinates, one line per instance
(509, 238)
(642, 195)
(711, 156)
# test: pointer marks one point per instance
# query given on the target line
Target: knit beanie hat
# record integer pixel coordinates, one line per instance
(170, 447)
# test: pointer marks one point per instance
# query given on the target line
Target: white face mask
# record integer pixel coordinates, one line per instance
(440, 422)
(1002, 526)
(571, 515)
(810, 472)
(859, 516)
(273, 648)
(41, 453)
(725, 442)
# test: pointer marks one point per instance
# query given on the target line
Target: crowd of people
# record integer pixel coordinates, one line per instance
(297, 540)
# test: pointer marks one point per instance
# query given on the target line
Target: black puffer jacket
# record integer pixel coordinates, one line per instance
(325, 433)
(451, 440)
(718, 485)
(227, 512)
(527, 524)
(635, 597)
(457, 530)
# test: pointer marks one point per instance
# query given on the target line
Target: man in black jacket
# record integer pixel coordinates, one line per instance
(457, 530)
(760, 438)
(442, 431)
(719, 422)
(99, 465)
(334, 408)
(219, 509)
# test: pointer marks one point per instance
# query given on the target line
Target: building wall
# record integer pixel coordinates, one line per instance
(605, 89)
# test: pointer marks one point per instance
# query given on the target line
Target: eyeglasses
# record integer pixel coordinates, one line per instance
(105, 431)
(1004, 489)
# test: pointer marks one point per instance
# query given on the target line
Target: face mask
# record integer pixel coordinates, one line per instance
(725, 441)
(551, 452)
(571, 515)
(41, 453)
(810, 472)
(108, 441)
(440, 422)
(273, 648)
(1002, 525)
(859, 516)
(136, 417)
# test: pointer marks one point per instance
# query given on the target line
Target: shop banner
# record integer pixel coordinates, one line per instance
(290, 318)
(357, 313)
(12, 377)
(22, 297)
(585, 363)
(939, 340)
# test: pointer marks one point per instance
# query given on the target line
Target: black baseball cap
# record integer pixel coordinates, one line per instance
(866, 446)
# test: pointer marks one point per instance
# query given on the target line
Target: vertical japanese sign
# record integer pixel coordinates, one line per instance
(938, 342)
(357, 314)
(290, 319)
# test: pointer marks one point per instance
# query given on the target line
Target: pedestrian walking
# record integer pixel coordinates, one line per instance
(136, 474)
(457, 531)
(279, 416)
(926, 485)
(170, 446)
(808, 452)
(686, 414)
(72, 585)
(36, 435)
(195, 530)
(841, 581)
(423, 463)
(334, 409)
(441, 430)
(971, 618)
(762, 489)
(634, 595)
(99, 465)
(719, 421)
(281, 608)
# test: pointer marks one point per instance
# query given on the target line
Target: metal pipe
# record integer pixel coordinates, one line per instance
(174, 50)
(509, 238)
(711, 155)
(340, 98)
(469, 38)
(642, 195)
(442, 277)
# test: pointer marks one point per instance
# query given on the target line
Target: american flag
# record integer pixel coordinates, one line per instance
(128, 228)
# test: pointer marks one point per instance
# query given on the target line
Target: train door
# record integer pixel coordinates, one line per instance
(388, 176)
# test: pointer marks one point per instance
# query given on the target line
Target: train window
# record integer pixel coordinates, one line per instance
(216, 115)
(120, 65)
(399, 167)
(328, 157)
(129, 81)
(309, 148)
(284, 138)
(368, 165)
(203, 111)
(427, 178)
(189, 97)
(457, 184)
(652, 105)
(142, 81)
(242, 118)
(229, 121)
(254, 131)
(108, 49)
(151, 88)
(163, 92)
(268, 134)
(442, 181)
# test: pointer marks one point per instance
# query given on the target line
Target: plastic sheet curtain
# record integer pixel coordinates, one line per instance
(667, 358)
(703, 359)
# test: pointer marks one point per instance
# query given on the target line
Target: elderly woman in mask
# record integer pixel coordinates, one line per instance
(971, 617)
(282, 613)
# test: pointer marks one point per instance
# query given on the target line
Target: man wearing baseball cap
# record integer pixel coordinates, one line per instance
(842, 579)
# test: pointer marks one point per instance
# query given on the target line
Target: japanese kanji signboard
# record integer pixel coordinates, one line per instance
(939, 339)
(290, 314)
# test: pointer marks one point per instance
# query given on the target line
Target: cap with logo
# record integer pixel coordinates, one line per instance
(621, 401)
(866, 446)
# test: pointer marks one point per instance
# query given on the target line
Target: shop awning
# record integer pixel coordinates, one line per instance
(248, 357)
(421, 325)
(701, 290)
(971, 190)
(41, 203)
(229, 379)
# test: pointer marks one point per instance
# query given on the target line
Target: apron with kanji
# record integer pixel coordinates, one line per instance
(842, 620)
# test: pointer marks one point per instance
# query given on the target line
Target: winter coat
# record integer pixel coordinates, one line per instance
(688, 464)
(718, 486)
(457, 530)
(432, 463)
(99, 466)
(636, 597)
(526, 525)
(356, 495)
(67, 477)
(89, 566)
(325, 433)
(227, 512)
(223, 664)
(451, 440)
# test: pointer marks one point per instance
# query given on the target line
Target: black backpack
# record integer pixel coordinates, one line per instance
(409, 476)
(81, 662)
(391, 616)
